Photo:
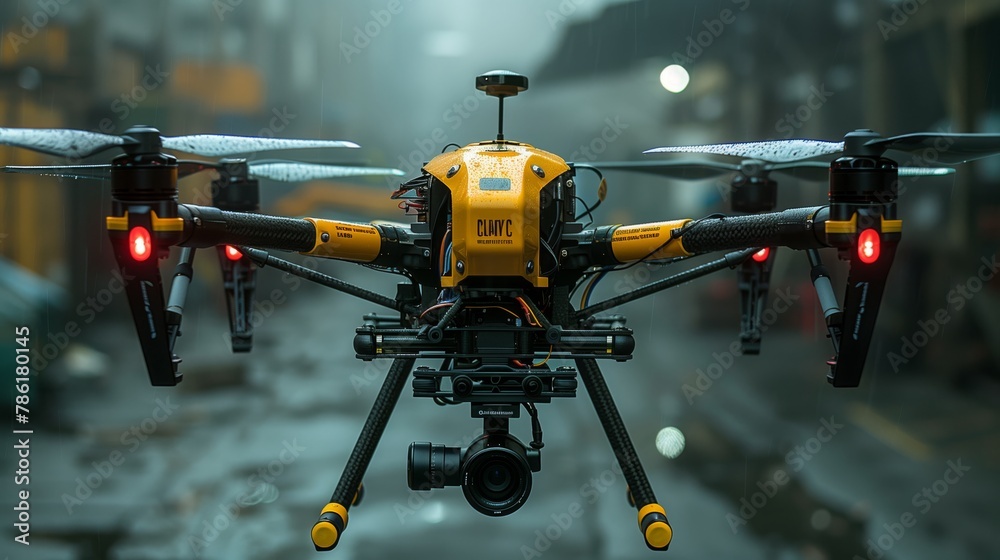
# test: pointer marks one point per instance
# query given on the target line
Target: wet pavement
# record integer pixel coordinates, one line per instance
(238, 460)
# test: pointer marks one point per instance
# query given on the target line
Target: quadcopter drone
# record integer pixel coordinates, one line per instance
(496, 248)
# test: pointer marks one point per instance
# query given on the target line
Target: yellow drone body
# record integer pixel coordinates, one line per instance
(495, 192)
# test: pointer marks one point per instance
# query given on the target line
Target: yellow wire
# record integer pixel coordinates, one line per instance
(586, 291)
(542, 363)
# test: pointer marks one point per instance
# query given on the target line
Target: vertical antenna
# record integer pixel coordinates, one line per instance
(501, 84)
(500, 124)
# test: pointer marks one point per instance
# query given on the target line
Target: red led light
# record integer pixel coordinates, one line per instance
(761, 256)
(232, 253)
(868, 246)
(140, 244)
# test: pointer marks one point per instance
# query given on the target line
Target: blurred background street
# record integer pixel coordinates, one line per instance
(237, 461)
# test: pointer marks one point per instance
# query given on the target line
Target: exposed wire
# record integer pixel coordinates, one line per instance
(445, 239)
(602, 191)
(586, 212)
(556, 231)
(555, 259)
(536, 426)
(529, 313)
(545, 361)
(407, 205)
(392, 270)
(433, 307)
(589, 290)
(519, 363)
(408, 186)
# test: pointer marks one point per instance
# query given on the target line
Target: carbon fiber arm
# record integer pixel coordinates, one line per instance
(798, 228)
(206, 226)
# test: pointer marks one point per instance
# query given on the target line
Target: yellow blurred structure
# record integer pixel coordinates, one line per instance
(367, 202)
(32, 209)
(232, 88)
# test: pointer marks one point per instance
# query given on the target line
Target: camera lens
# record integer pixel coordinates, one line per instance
(496, 480)
(432, 466)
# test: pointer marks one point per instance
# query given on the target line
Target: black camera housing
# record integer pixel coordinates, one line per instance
(494, 471)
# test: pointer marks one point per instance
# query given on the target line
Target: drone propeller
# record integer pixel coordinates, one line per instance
(67, 143)
(950, 148)
(773, 151)
(683, 169)
(686, 170)
(925, 171)
(290, 171)
(214, 145)
(287, 171)
(81, 143)
(96, 171)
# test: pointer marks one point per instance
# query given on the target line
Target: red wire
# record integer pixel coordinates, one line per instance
(527, 312)
(433, 307)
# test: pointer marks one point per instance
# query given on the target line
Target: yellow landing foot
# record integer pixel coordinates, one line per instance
(654, 526)
(327, 531)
